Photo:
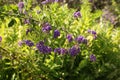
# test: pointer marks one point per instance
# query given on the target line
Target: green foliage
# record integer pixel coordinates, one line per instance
(27, 63)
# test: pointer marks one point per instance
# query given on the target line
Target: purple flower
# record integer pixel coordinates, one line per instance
(29, 43)
(28, 30)
(93, 33)
(64, 51)
(21, 5)
(79, 39)
(84, 41)
(74, 51)
(46, 27)
(69, 37)
(56, 33)
(0, 38)
(26, 21)
(57, 50)
(60, 51)
(77, 14)
(42, 48)
(89, 31)
(92, 58)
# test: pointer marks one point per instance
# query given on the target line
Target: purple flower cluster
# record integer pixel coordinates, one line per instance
(0, 38)
(77, 14)
(42, 48)
(69, 37)
(56, 33)
(74, 51)
(60, 51)
(20, 6)
(26, 21)
(46, 27)
(28, 30)
(81, 39)
(93, 33)
(92, 58)
(27, 42)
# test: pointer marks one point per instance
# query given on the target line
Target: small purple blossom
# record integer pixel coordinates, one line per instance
(46, 27)
(42, 48)
(64, 51)
(28, 30)
(57, 50)
(84, 41)
(29, 43)
(74, 51)
(79, 39)
(69, 37)
(77, 14)
(56, 33)
(89, 31)
(60, 51)
(92, 58)
(93, 33)
(21, 5)
(0, 38)
(26, 21)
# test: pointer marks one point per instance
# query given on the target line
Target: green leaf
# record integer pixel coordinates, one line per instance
(12, 22)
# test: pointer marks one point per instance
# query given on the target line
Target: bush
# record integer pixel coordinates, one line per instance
(54, 42)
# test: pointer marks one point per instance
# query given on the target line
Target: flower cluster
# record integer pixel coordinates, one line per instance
(77, 14)
(60, 51)
(69, 37)
(46, 27)
(27, 42)
(81, 39)
(74, 50)
(42, 48)
(20, 6)
(26, 21)
(93, 33)
(92, 58)
(56, 33)
(28, 30)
